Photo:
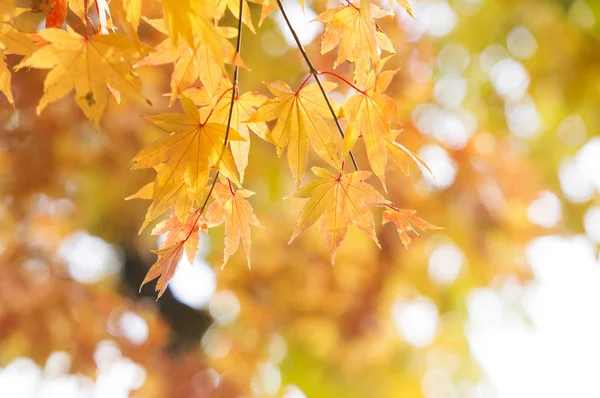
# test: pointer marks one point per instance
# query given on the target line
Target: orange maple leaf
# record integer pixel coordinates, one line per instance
(406, 221)
(232, 208)
(338, 200)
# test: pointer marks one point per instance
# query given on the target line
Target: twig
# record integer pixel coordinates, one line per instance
(234, 93)
(315, 74)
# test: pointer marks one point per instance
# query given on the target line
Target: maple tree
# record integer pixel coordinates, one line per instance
(213, 132)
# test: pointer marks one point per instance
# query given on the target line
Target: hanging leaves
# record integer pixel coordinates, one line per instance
(183, 159)
(201, 163)
(243, 110)
(190, 63)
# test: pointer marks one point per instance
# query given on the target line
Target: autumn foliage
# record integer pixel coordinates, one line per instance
(211, 139)
(334, 182)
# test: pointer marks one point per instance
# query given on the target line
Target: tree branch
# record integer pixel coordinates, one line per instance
(315, 74)
(234, 93)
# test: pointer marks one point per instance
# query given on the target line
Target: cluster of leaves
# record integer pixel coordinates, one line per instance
(204, 156)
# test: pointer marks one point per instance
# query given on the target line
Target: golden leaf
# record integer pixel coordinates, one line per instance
(355, 31)
(299, 122)
(338, 200)
(183, 159)
(88, 65)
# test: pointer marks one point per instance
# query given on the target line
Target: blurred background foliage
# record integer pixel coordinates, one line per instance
(501, 98)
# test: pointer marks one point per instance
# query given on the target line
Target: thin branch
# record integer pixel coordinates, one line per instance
(315, 74)
(234, 93)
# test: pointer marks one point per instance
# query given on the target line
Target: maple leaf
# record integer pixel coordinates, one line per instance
(231, 208)
(234, 7)
(243, 109)
(404, 4)
(338, 200)
(193, 20)
(186, 156)
(11, 42)
(190, 62)
(105, 22)
(181, 238)
(90, 66)
(268, 6)
(299, 122)
(358, 36)
(406, 221)
(402, 156)
(175, 196)
(369, 113)
(57, 13)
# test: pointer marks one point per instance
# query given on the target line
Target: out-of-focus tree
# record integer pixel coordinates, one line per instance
(495, 98)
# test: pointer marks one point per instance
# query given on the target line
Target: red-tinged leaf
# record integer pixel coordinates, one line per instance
(181, 238)
(164, 268)
(231, 208)
(406, 221)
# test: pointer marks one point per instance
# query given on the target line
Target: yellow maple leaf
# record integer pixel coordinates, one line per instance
(299, 122)
(174, 196)
(231, 208)
(369, 114)
(406, 221)
(181, 238)
(190, 63)
(243, 109)
(193, 20)
(186, 155)
(11, 42)
(338, 200)
(358, 36)
(89, 65)
(234, 7)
